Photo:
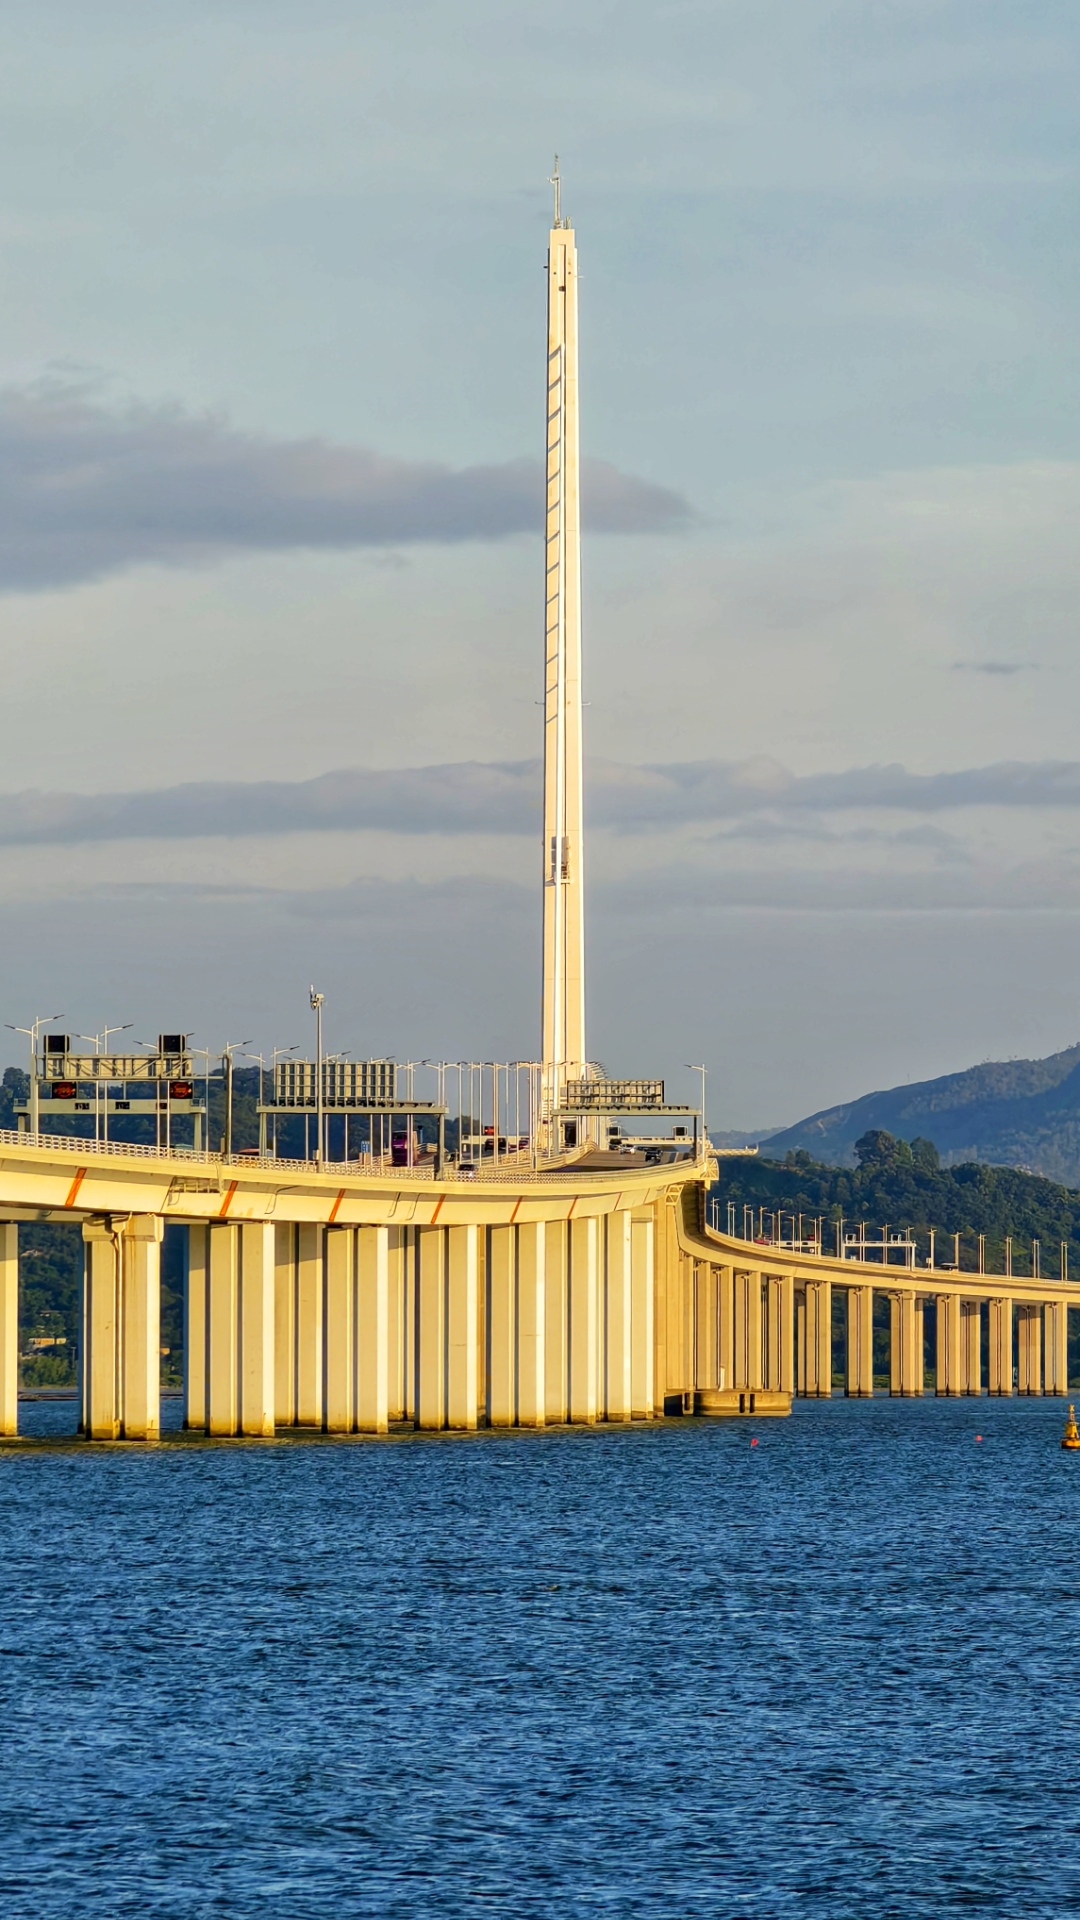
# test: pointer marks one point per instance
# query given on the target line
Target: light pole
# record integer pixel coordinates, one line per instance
(32, 1031)
(316, 1008)
(691, 1068)
(227, 1052)
(261, 1064)
(279, 1053)
(203, 1054)
(98, 1039)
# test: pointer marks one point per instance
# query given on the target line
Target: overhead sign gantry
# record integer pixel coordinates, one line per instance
(97, 1086)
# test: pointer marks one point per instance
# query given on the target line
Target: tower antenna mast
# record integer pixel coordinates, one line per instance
(563, 1013)
(555, 182)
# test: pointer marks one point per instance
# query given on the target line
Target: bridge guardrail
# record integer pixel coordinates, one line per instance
(350, 1170)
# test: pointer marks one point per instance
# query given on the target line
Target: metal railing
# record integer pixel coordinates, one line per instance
(476, 1173)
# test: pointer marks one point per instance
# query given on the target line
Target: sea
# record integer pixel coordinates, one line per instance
(822, 1666)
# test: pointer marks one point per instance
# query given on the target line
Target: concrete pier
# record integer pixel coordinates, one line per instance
(907, 1344)
(860, 1343)
(120, 1339)
(999, 1361)
(814, 1321)
(9, 1328)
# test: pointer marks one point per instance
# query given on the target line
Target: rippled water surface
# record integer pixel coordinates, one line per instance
(661, 1672)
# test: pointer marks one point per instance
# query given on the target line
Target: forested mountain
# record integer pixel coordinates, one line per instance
(900, 1185)
(1007, 1113)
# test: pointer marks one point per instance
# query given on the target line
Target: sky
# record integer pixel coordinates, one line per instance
(271, 411)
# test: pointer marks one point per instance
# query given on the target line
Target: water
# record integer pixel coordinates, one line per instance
(651, 1673)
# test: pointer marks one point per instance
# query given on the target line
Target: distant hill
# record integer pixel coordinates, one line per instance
(738, 1139)
(1006, 1113)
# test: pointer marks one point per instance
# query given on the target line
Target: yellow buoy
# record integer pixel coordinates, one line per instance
(1070, 1439)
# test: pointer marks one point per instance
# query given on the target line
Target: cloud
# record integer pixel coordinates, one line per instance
(503, 797)
(86, 491)
(767, 830)
(993, 666)
(463, 798)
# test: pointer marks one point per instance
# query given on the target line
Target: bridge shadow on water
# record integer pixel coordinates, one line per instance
(659, 1672)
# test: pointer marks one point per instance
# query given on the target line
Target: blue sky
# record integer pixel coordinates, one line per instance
(271, 360)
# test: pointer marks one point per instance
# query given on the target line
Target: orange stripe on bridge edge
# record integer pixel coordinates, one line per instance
(228, 1200)
(73, 1190)
(334, 1209)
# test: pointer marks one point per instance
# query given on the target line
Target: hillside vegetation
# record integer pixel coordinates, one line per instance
(899, 1184)
(1008, 1113)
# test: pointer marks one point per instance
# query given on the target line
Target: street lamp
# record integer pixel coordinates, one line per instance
(691, 1068)
(98, 1039)
(227, 1052)
(279, 1053)
(316, 1008)
(32, 1031)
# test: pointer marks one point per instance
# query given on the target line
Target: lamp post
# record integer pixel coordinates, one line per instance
(691, 1068)
(316, 1008)
(279, 1053)
(260, 1062)
(32, 1031)
(101, 1044)
(227, 1052)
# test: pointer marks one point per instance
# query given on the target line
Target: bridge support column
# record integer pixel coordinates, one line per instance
(815, 1340)
(859, 1384)
(195, 1328)
(906, 1346)
(462, 1271)
(616, 1393)
(99, 1337)
(284, 1324)
(738, 1335)
(971, 1346)
(531, 1323)
(399, 1303)
(9, 1328)
(1000, 1348)
(431, 1327)
(522, 1263)
(120, 1348)
(746, 1332)
(140, 1327)
(372, 1257)
(706, 1322)
(339, 1333)
(238, 1329)
(556, 1316)
(222, 1329)
(1029, 1350)
(310, 1326)
(583, 1319)
(755, 1334)
(787, 1334)
(643, 1335)
(300, 1325)
(777, 1288)
(1056, 1346)
(725, 1339)
(501, 1324)
(258, 1274)
(948, 1344)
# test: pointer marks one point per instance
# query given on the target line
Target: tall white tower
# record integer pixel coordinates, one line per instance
(563, 1043)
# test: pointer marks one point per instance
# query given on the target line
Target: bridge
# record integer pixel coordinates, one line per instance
(320, 1299)
(569, 1277)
